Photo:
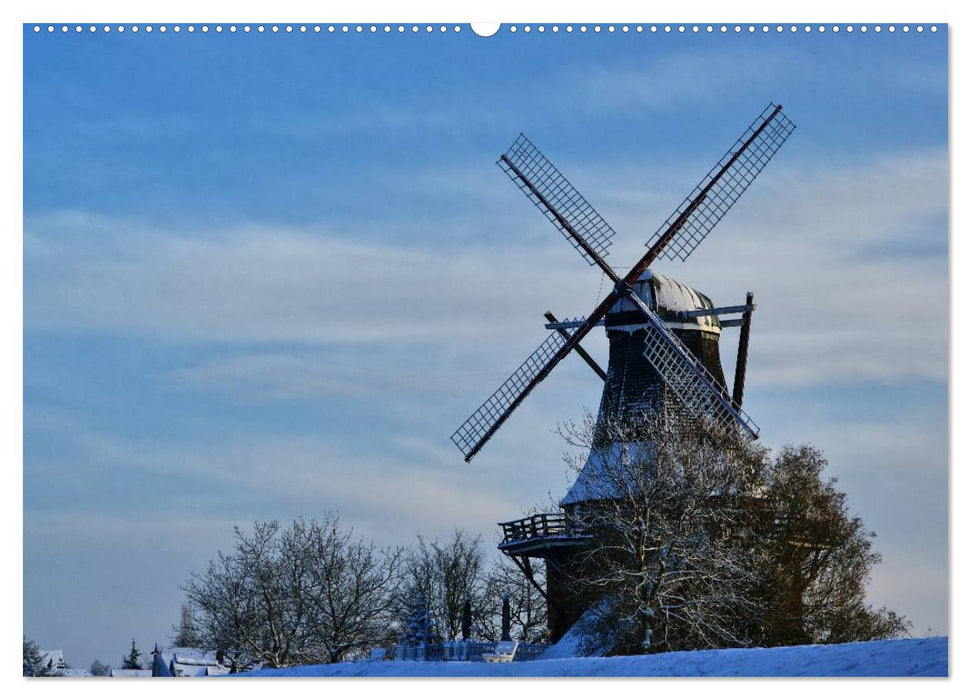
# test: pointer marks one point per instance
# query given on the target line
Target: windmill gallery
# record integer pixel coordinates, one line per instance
(663, 336)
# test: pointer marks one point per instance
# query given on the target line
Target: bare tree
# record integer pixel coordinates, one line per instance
(186, 634)
(671, 562)
(445, 574)
(527, 606)
(350, 588)
(99, 669)
(308, 593)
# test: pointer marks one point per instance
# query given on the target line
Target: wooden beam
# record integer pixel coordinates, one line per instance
(579, 349)
(739, 388)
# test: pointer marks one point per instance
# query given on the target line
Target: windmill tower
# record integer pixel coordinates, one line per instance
(664, 338)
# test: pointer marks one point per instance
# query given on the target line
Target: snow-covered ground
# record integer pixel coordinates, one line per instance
(897, 657)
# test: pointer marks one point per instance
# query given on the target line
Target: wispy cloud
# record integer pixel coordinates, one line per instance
(847, 261)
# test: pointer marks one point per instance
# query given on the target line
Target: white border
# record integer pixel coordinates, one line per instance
(283, 11)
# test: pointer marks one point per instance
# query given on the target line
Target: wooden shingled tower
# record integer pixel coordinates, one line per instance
(664, 336)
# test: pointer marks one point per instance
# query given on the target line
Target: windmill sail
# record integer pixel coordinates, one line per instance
(690, 380)
(714, 195)
(473, 433)
(559, 200)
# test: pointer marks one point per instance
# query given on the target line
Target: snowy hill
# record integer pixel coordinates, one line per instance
(896, 657)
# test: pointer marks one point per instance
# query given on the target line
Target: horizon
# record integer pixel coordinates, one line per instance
(267, 276)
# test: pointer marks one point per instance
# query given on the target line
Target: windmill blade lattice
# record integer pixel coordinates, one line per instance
(486, 417)
(744, 165)
(553, 195)
(691, 382)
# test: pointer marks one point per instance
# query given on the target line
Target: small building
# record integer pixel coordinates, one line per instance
(53, 659)
(183, 662)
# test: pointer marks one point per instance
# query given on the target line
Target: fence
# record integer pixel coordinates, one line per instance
(460, 651)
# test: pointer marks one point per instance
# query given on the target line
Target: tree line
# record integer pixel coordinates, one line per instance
(699, 538)
(311, 592)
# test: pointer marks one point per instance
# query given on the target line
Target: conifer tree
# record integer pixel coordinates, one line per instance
(421, 629)
(131, 661)
(33, 659)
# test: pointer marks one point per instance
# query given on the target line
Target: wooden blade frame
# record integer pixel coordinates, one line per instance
(622, 288)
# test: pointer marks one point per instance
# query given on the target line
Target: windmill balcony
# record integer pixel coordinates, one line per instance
(536, 534)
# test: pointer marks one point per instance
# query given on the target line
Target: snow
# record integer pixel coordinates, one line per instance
(592, 483)
(667, 296)
(896, 657)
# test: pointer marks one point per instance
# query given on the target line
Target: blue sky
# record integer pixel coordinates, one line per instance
(268, 275)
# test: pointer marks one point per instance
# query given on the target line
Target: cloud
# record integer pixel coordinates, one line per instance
(275, 285)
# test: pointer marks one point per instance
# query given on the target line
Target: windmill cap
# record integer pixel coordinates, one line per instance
(667, 297)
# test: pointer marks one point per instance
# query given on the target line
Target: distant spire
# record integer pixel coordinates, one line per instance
(159, 667)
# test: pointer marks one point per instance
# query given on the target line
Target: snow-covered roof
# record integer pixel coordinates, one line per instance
(188, 661)
(667, 296)
(75, 673)
(591, 483)
(54, 657)
(130, 673)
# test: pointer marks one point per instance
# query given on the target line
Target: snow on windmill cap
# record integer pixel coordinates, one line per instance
(666, 297)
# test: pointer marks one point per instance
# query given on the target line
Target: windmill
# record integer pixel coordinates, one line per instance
(663, 335)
